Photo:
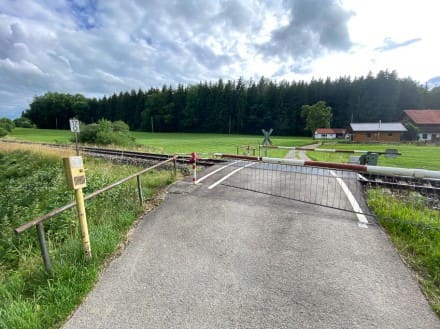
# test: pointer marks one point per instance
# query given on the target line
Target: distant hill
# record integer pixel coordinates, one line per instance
(433, 82)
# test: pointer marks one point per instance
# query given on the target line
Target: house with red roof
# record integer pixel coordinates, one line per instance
(329, 133)
(427, 121)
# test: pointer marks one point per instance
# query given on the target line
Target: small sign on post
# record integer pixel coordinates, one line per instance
(74, 127)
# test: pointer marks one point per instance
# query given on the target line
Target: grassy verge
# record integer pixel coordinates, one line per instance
(173, 143)
(413, 156)
(414, 228)
(32, 184)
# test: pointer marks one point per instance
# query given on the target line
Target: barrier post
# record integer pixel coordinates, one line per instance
(193, 160)
(194, 171)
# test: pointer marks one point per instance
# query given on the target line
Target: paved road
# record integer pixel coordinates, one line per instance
(229, 258)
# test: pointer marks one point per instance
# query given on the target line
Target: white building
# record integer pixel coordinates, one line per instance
(329, 133)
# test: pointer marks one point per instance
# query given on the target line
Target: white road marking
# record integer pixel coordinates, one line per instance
(216, 171)
(363, 222)
(230, 174)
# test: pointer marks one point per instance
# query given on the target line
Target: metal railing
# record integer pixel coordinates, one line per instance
(38, 222)
(408, 200)
(313, 185)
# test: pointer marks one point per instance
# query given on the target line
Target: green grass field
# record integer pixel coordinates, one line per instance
(173, 143)
(32, 183)
(413, 156)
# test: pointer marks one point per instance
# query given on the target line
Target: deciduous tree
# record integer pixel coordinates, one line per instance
(317, 115)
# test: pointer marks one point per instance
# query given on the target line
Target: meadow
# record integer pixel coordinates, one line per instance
(173, 143)
(423, 156)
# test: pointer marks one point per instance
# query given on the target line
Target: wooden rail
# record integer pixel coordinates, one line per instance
(38, 222)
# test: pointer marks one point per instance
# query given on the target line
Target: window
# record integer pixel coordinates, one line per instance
(324, 135)
(424, 136)
(390, 134)
(368, 135)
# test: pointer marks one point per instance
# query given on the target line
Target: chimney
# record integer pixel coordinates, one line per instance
(380, 124)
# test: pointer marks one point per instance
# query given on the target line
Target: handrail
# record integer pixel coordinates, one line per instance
(41, 219)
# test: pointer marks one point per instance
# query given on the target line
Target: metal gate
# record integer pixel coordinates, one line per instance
(330, 188)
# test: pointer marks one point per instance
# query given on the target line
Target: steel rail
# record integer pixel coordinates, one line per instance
(128, 154)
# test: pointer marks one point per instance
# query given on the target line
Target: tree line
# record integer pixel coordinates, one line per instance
(240, 106)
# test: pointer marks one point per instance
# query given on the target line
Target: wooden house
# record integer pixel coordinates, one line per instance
(427, 121)
(383, 132)
(329, 133)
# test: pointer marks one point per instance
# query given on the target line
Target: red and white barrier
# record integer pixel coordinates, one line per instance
(323, 150)
(375, 170)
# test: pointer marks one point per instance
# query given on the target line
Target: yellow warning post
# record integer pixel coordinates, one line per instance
(76, 180)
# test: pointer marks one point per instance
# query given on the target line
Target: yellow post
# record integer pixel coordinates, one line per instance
(83, 223)
(76, 180)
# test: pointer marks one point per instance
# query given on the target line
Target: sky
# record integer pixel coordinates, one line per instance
(99, 47)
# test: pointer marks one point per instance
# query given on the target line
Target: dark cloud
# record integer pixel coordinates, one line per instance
(314, 26)
(390, 44)
(101, 47)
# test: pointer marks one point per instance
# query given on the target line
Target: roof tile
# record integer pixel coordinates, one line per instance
(423, 117)
(330, 131)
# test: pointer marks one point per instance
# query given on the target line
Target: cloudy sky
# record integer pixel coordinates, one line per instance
(97, 47)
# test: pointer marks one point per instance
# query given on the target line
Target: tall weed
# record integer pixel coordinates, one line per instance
(414, 226)
(32, 184)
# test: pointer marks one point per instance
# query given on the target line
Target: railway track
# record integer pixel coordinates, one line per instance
(123, 154)
(424, 186)
(421, 185)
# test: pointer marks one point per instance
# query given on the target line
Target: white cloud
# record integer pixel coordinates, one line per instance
(101, 47)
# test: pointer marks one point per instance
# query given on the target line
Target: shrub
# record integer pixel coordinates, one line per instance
(105, 132)
(3, 132)
(88, 133)
(24, 122)
(412, 132)
(121, 126)
(7, 124)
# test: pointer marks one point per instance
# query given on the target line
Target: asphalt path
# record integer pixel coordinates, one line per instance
(230, 258)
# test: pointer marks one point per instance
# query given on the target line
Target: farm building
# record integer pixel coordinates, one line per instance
(376, 132)
(427, 121)
(329, 133)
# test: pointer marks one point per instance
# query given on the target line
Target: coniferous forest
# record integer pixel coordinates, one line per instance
(240, 107)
